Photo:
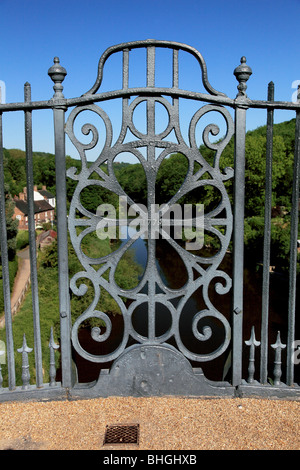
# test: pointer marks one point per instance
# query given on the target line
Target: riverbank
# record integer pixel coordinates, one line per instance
(165, 424)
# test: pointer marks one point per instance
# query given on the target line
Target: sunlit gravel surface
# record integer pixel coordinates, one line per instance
(165, 424)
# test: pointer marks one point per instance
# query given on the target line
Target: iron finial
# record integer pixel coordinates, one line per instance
(278, 346)
(57, 74)
(242, 74)
(52, 369)
(253, 343)
(25, 350)
(271, 90)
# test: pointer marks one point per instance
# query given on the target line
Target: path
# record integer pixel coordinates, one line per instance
(20, 283)
(22, 276)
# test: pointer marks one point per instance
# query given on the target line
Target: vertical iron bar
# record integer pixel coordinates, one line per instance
(125, 84)
(32, 240)
(125, 69)
(238, 244)
(152, 264)
(175, 84)
(267, 241)
(57, 74)
(62, 248)
(5, 274)
(242, 74)
(150, 83)
(151, 224)
(175, 69)
(151, 191)
(293, 253)
(151, 66)
(1, 377)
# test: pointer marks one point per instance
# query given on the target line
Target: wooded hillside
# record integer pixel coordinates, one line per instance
(170, 177)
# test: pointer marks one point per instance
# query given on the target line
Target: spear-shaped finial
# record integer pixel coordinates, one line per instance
(278, 346)
(25, 350)
(253, 343)
(52, 369)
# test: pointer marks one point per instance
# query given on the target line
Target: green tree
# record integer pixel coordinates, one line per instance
(132, 178)
(170, 177)
(255, 166)
(126, 275)
(11, 224)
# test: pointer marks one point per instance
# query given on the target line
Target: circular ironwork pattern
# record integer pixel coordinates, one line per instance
(193, 262)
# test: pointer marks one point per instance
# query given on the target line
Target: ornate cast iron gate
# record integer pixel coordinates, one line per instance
(152, 365)
(157, 363)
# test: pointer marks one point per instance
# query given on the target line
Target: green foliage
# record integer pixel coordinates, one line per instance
(11, 225)
(13, 268)
(172, 172)
(93, 195)
(22, 239)
(170, 177)
(48, 257)
(23, 323)
(280, 242)
(255, 172)
(132, 178)
(15, 173)
(255, 166)
(168, 180)
(126, 275)
(253, 238)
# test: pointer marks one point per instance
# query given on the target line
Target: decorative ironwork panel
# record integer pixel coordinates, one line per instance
(151, 147)
(155, 360)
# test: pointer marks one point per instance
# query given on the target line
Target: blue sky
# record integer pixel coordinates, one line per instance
(78, 32)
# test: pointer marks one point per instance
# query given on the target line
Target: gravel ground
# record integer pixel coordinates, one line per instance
(165, 424)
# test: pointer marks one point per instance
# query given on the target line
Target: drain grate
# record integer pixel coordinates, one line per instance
(121, 434)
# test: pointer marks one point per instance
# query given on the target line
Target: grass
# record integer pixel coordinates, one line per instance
(23, 324)
(13, 268)
(126, 275)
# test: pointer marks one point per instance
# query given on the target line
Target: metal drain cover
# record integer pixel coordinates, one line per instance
(121, 434)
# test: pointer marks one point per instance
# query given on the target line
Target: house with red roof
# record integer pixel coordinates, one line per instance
(44, 207)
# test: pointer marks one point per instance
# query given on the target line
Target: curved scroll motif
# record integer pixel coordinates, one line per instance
(176, 46)
(151, 289)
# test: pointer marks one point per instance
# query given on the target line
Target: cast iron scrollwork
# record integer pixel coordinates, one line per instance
(200, 174)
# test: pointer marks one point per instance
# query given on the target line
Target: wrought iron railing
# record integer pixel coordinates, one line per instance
(145, 365)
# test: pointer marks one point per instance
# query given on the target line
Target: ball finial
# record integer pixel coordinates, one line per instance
(242, 74)
(57, 74)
